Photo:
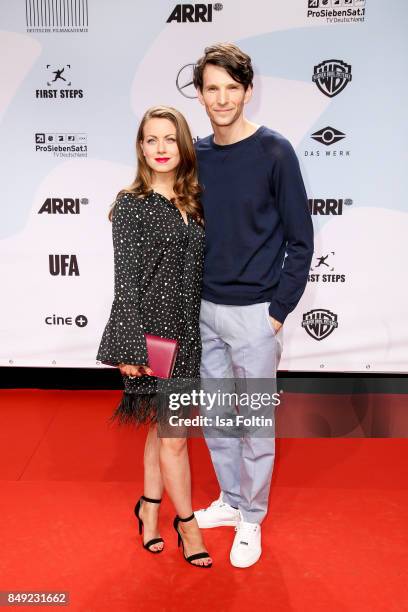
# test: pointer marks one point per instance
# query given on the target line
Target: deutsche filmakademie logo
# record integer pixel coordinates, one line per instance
(194, 13)
(45, 16)
(336, 11)
(332, 76)
(319, 323)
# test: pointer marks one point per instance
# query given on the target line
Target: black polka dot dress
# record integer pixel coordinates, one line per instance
(158, 264)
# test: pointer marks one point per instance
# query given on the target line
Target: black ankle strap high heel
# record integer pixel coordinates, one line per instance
(200, 555)
(137, 511)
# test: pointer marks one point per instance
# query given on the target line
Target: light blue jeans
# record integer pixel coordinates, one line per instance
(240, 342)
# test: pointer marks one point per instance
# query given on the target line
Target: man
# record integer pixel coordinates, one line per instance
(259, 245)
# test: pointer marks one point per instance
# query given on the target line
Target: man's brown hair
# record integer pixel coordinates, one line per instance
(231, 58)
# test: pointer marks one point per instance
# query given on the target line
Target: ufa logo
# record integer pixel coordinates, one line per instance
(332, 76)
(193, 13)
(63, 265)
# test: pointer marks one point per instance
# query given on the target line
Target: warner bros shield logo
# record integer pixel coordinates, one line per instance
(332, 76)
(319, 323)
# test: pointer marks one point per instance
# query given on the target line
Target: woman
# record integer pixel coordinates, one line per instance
(158, 240)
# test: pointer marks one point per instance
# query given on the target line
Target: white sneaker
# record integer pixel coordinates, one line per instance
(246, 548)
(218, 514)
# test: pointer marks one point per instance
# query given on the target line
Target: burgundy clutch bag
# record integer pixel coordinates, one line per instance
(162, 353)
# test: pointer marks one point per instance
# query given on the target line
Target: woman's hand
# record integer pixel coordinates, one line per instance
(134, 371)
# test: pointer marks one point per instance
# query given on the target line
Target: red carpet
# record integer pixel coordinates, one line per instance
(335, 538)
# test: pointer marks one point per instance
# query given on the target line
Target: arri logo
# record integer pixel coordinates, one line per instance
(59, 76)
(63, 265)
(62, 206)
(329, 206)
(194, 13)
(319, 323)
(332, 76)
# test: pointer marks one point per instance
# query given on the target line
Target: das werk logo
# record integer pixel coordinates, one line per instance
(193, 13)
(319, 323)
(332, 76)
(327, 136)
(62, 206)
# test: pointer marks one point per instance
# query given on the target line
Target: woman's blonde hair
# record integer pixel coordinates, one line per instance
(186, 187)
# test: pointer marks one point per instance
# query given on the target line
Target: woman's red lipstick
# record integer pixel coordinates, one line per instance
(162, 160)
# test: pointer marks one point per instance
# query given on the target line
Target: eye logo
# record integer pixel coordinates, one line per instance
(328, 136)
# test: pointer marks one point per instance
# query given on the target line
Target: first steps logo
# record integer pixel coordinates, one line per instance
(193, 13)
(337, 11)
(332, 76)
(322, 269)
(59, 75)
(319, 323)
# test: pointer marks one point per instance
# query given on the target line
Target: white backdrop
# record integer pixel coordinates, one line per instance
(77, 76)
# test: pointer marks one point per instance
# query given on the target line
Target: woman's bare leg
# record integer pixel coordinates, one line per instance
(175, 470)
(153, 487)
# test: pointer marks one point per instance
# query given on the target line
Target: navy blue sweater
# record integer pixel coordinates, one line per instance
(256, 210)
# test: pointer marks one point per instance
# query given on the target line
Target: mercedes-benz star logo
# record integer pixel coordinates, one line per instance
(184, 81)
